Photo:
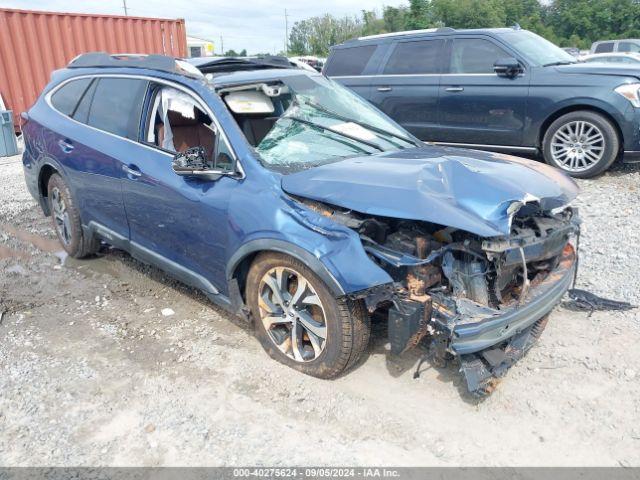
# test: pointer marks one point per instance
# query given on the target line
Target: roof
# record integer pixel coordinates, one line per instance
(427, 31)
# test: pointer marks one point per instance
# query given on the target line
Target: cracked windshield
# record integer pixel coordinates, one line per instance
(313, 121)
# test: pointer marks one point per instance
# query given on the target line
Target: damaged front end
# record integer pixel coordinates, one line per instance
(483, 300)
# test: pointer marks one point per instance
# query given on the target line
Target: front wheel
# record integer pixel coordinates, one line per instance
(299, 322)
(583, 144)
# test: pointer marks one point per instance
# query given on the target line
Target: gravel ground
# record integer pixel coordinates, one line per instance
(92, 373)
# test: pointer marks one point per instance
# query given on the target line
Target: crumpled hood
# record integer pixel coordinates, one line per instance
(589, 68)
(465, 189)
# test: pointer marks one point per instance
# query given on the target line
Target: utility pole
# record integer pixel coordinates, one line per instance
(221, 45)
(124, 5)
(286, 33)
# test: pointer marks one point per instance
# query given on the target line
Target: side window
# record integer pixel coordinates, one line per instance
(67, 97)
(349, 61)
(176, 122)
(604, 47)
(117, 106)
(415, 57)
(628, 47)
(81, 112)
(474, 55)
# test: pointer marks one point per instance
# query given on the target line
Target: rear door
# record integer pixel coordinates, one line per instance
(476, 105)
(406, 86)
(90, 140)
(113, 113)
(348, 65)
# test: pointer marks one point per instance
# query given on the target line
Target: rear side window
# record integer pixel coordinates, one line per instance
(628, 47)
(415, 57)
(81, 113)
(67, 97)
(474, 55)
(605, 47)
(349, 61)
(117, 106)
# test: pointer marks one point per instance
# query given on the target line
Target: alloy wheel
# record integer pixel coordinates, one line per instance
(292, 314)
(61, 216)
(577, 146)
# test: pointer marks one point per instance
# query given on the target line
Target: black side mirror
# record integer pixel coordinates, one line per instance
(507, 67)
(193, 163)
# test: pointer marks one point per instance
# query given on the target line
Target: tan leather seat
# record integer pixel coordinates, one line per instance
(189, 132)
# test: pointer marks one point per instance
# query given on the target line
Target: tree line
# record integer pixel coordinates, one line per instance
(568, 23)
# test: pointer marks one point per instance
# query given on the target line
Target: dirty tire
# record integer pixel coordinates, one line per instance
(78, 245)
(611, 142)
(347, 321)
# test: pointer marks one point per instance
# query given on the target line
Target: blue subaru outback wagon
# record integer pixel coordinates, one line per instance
(292, 202)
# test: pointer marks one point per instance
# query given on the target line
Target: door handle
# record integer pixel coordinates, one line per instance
(454, 89)
(131, 170)
(65, 145)
(384, 89)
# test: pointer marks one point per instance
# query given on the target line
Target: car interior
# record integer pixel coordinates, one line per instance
(257, 108)
(178, 123)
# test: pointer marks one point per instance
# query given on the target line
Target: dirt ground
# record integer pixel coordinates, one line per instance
(92, 373)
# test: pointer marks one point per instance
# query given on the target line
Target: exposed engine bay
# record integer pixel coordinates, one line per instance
(447, 279)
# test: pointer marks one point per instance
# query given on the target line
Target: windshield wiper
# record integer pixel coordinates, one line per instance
(337, 132)
(553, 64)
(362, 124)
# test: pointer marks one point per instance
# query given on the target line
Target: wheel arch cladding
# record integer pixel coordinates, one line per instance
(579, 108)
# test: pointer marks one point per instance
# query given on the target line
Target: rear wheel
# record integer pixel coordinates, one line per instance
(583, 144)
(299, 322)
(66, 220)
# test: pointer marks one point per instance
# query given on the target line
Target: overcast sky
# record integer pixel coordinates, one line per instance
(257, 25)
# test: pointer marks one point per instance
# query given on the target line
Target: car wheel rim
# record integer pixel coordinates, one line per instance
(577, 146)
(61, 216)
(292, 314)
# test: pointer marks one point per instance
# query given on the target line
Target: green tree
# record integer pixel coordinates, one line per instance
(394, 18)
(371, 24)
(591, 20)
(419, 14)
(316, 35)
(469, 13)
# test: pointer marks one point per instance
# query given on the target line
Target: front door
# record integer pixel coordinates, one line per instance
(176, 222)
(406, 89)
(477, 106)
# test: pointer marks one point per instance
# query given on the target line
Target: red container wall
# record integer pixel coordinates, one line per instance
(34, 44)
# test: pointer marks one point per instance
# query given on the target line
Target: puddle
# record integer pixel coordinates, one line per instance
(99, 265)
(6, 252)
(96, 265)
(41, 243)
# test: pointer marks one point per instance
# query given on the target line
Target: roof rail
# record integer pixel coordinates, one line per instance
(161, 63)
(408, 32)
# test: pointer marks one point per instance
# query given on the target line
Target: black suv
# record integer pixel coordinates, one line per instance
(498, 89)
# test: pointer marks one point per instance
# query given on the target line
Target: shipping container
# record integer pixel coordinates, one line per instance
(33, 44)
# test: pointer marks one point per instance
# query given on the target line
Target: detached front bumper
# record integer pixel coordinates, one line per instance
(488, 347)
(542, 298)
